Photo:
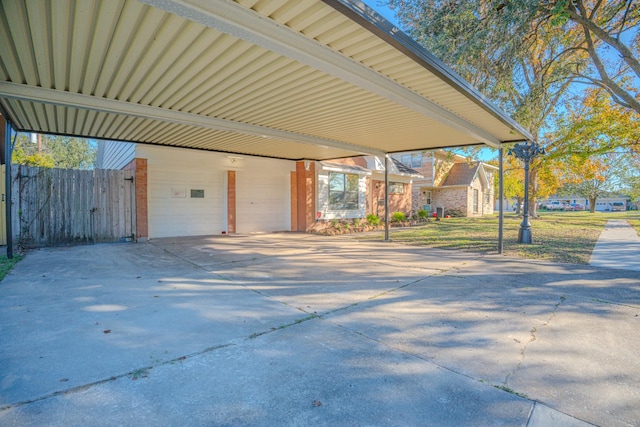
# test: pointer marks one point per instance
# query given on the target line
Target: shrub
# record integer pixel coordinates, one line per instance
(373, 219)
(423, 214)
(398, 217)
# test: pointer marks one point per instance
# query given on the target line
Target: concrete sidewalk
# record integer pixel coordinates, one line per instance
(291, 329)
(618, 247)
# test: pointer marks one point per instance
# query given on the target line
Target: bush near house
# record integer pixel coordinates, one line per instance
(343, 226)
(398, 217)
(373, 219)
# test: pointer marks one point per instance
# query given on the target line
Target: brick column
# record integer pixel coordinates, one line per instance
(231, 202)
(139, 166)
(306, 195)
(294, 201)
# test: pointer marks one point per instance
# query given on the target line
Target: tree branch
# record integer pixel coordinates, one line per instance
(606, 81)
(589, 25)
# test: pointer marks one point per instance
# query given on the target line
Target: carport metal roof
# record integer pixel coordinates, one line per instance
(291, 79)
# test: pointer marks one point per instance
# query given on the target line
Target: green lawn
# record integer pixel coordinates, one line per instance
(557, 236)
(7, 264)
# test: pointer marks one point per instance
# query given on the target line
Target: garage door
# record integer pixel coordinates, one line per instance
(185, 203)
(262, 202)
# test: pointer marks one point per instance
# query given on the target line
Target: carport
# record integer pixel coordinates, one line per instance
(287, 79)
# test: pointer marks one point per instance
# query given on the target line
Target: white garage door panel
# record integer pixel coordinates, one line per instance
(262, 203)
(171, 215)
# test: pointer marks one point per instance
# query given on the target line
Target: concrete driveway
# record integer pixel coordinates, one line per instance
(294, 329)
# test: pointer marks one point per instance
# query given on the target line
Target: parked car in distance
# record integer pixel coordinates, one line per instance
(575, 207)
(618, 207)
(555, 205)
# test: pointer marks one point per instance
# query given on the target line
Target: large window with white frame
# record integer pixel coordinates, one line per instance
(343, 191)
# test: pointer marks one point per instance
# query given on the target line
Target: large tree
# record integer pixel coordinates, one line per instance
(54, 151)
(495, 43)
(526, 55)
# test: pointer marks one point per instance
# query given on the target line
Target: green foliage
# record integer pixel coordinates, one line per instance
(7, 264)
(54, 151)
(373, 219)
(423, 214)
(521, 53)
(35, 159)
(398, 217)
(557, 236)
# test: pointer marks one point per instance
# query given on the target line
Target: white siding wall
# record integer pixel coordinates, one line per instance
(263, 195)
(262, 192)
(114, 154)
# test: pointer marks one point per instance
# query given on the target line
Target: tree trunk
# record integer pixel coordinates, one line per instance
(517, 209)
(592, 204)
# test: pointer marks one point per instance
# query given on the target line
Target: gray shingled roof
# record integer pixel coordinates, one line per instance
(402, 168)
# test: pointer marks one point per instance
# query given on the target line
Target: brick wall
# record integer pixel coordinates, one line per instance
(142, 216)
(398, 202)
(452, 198)
(231, 202)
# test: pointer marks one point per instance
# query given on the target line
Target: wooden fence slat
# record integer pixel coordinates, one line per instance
(61, 207)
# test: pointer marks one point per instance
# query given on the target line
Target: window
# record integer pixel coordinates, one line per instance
(475, 201)
(413, 160)
(427, 195)
(343, 191)
(396, 188)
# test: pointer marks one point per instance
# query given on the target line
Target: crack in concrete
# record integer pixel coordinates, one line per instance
(533, 337)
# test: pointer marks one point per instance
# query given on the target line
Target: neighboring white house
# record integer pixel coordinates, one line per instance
(603, 204)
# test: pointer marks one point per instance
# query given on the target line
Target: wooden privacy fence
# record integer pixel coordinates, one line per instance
(53, 207)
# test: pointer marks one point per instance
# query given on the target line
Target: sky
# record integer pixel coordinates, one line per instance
(382, 10)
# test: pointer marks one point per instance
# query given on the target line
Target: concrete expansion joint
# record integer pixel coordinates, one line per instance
(135, 374)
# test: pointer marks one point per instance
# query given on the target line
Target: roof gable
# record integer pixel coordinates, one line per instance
(461, 174)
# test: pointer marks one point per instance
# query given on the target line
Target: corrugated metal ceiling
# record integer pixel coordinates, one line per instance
(278, 78)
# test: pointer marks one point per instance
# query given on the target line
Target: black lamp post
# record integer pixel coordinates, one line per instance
(526, 152)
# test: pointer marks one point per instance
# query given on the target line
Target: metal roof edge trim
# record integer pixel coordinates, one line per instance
(379, 25)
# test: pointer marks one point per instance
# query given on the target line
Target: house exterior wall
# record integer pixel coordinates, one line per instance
(115, 154)
(262, 192)
(451, 198)
(398, 202)
(489, 196)
(435, 168)
(475, 185)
